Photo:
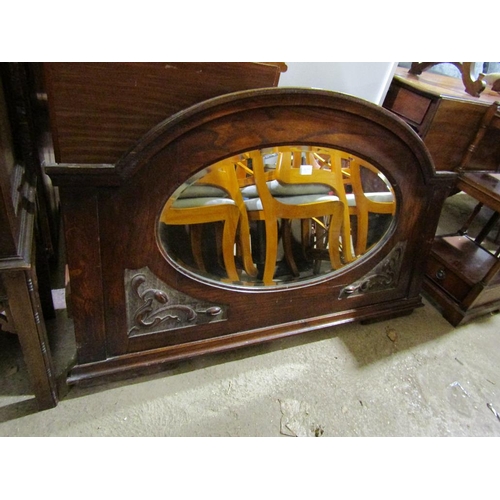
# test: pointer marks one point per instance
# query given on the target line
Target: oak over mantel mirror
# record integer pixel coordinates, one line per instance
(277, 217)
(246, 218)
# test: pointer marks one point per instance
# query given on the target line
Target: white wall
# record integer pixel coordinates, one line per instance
(368, 80)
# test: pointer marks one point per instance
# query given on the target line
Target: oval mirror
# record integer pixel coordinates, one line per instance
(276, 217)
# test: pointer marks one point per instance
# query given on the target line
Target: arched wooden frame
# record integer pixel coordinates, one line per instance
(123, 287)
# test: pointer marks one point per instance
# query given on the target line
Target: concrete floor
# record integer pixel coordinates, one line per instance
(411, 376)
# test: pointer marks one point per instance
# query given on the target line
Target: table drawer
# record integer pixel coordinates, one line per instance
(410, 106)
(450, 282)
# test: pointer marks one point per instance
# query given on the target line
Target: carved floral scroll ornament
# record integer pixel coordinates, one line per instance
(384, 276)
(153, 306)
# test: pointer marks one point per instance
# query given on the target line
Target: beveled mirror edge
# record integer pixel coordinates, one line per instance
(241, 285)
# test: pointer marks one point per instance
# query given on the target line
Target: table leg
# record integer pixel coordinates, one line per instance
(24, 303)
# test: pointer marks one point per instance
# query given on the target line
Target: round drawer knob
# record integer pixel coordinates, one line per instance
(441, 274)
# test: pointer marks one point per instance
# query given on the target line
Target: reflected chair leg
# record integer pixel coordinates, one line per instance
(196, 232)
(271, 251)
(362, 233)
(228, 242)
(318, 242)
(353, 218)
(26, 311)
(286, 235)
(245, 247)
(335, 229)
(219, 240)
(259, 247)
(305, 231)
(320, 235)
(347, 249)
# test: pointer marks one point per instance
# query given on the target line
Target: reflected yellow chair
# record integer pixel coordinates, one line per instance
(271, 207)
(361, 200)
(316, 171)
(214, 198)
(366, 202)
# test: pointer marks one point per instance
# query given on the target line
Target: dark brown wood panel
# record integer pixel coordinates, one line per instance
(461, 255)
(411, 106)
(453, 128)
(483, 186)
(9, 223)
(487, 296)
(445, 116)
(100, 110)
(81, 227)
(446, 279)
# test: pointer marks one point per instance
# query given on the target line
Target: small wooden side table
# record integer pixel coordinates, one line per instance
(463, 276)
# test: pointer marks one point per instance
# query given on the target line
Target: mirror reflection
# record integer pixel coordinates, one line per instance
(277, 216)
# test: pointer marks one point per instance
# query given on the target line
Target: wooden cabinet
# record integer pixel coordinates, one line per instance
(462, 134)
(444, 116)
(98, 111)
(21, 245)
(463, 273)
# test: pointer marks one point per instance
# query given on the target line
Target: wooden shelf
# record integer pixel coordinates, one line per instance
(462, 255)
(458, 278)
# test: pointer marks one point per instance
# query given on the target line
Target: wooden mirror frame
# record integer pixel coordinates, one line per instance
(120, 280)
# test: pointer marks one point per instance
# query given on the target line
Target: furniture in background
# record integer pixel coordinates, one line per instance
(98, 111)
(463, 274)
(444, 116)
(25, 295)
(472, 87)
(462, 133)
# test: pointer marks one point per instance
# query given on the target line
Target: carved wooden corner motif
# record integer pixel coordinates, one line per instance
(383, 277)
(153, 306)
